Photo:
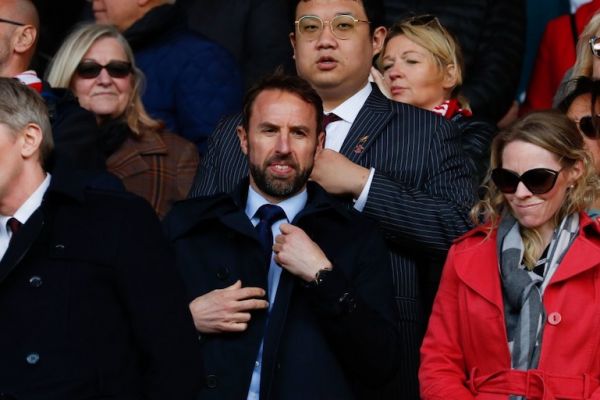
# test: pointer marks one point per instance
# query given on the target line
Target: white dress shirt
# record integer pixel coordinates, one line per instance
(337, 131)
(32, 203)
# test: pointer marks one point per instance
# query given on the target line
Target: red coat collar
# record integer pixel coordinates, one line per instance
(476, 259)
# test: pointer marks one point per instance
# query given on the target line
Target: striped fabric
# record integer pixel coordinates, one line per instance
(420, 194)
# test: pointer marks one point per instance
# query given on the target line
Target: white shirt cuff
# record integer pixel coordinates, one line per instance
(360, 203)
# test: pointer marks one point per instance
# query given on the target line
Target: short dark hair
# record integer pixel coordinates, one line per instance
(285, 83)
(374, 11)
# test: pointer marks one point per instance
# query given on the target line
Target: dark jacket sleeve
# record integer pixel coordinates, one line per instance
(357, 313)
(427, 218)
(475, 139)
(154, 299)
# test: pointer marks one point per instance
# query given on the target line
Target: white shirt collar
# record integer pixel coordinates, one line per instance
(32, 203)
(291, 206)
(349, 109)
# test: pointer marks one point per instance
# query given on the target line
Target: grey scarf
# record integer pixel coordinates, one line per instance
(523, 289)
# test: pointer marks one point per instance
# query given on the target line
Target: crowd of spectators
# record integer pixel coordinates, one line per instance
(405, 204)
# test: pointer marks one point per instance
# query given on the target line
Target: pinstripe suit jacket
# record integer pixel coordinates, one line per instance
(420, 195)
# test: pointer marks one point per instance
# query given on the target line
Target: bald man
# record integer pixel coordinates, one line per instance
(19, 27)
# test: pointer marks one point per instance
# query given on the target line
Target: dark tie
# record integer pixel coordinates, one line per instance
(329, 118)
(268, 214)
(14, 225)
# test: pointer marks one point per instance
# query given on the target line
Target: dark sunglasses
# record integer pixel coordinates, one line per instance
(537, 180)
(589, 126)
(424, 19)
(91, 69)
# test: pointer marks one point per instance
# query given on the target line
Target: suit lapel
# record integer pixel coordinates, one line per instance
(21, 243)
(480, 271)
(368, 125)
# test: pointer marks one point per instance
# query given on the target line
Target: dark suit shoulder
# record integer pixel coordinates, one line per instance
(187, 213)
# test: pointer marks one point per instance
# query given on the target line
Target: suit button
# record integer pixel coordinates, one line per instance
(223, 273)
(58, 250)
(211, 381)
(32, 358)
(35, 281)
(554, 318)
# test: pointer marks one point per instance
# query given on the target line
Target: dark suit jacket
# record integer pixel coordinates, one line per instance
(420, 195)
(315, 346)
(90, 306)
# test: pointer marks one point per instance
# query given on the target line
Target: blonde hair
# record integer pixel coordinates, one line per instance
(584, 62)
(62, 68)
(437, 40)
(554, 132)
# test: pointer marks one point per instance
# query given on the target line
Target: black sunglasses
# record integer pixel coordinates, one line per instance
(91, 69)
(537, 180)
(589, 126)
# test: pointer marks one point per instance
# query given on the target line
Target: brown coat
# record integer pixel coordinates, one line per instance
(157, 167)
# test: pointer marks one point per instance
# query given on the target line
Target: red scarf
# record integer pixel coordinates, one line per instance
(30, 79)
(450, 108)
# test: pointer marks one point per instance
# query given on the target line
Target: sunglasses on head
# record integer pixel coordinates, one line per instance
(91, 69)
(595, 45)
(589, 126)
(537, 180)
(424, 19)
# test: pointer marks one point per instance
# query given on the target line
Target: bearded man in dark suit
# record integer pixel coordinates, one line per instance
(326, 328)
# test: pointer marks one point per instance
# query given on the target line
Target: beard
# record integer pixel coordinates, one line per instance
(278, 187)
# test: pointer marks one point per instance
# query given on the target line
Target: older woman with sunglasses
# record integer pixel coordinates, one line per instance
(516, 314)
(582, 105)
(422, 65)
(97, 64)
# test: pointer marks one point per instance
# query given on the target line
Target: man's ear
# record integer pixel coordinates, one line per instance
(243, 137)
(31, 140)
(293, 43)
(24, 38)
(378, 39)
(321, 141)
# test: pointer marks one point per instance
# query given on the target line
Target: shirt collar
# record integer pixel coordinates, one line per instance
(30, 205)
(349, 109)
(291, 206)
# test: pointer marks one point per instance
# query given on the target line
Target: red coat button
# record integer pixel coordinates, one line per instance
(554, 318)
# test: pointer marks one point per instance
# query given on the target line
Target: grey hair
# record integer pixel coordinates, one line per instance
(21, 106)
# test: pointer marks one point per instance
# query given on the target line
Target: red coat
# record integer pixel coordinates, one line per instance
(465, 353)
(556, 54)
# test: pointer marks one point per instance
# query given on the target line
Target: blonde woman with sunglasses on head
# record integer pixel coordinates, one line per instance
(97, 64)
(421, 64)
(516, 314)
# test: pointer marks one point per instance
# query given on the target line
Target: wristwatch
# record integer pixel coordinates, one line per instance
(320, 277)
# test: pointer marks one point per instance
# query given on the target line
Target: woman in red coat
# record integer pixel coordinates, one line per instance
(517, 314)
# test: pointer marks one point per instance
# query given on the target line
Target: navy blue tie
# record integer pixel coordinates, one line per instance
(268, 214)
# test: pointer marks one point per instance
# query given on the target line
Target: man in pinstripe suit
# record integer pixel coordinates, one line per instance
(398, 164)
